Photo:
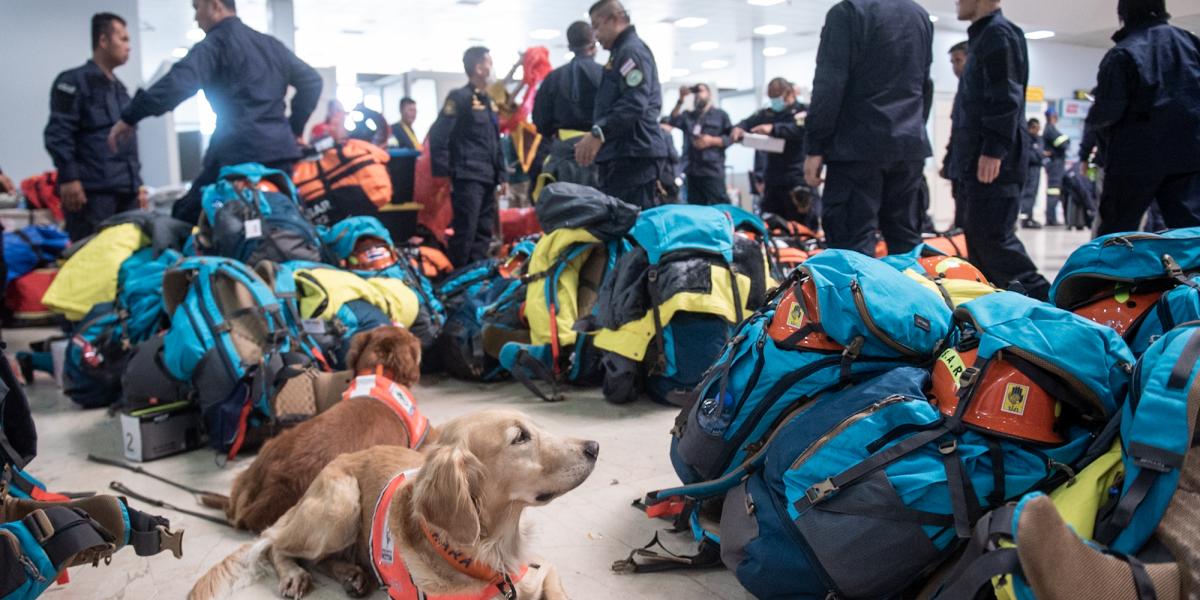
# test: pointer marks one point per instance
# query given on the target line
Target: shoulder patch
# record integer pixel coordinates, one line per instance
(627, 66)
(800, 117)
(634, 78)
(65, 87)
(449, 108)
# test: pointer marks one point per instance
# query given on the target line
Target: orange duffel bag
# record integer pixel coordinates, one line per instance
(347, 180)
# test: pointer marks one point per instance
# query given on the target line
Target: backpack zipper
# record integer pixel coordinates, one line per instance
(860, 302)
(845, 424)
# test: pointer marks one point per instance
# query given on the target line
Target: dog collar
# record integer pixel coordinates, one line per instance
(461, 561)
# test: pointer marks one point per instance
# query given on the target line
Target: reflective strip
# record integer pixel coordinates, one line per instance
(1060, 140)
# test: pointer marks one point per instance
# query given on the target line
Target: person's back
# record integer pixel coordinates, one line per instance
(1161, 121)
(882, 111)
(571, 96)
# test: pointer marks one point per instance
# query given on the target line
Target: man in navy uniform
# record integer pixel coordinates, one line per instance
(1147, 117)
(245, 76)
(785, 119)
(402, 130)
(706, 133)
(465, 146)
(566, 99)
(866, 122)
(989, 147)
(94, 182)
(1033, 178)
(1055, 145)
(626, 140)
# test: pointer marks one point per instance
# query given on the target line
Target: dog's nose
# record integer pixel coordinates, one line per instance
(591, 450)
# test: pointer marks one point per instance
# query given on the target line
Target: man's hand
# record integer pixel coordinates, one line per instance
(813, 166)
(759, 187)
(143, 198)
(989, 169)
(684, 92)
(764, 129)
(73, 197)
(6, 185)
(737, 134)
(586, 149)
(705, 141)
(119, 135)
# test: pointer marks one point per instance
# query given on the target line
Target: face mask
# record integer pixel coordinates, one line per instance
(777, 104)
(701, 103)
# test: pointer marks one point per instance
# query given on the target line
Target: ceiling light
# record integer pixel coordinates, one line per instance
(179, 52)
(195, 34)
(1041, 34)
(769, 29)
(764, 2)
(774, 51)
(706, 46)
(933, 18)
(676, 73)
(544, 34)
(691, 22)
(712, 65)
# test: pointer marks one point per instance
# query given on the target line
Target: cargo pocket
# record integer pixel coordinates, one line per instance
(739, 526)
(866, 542)
(699, 447)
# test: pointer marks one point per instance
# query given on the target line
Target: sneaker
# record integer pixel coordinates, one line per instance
(1031, 224)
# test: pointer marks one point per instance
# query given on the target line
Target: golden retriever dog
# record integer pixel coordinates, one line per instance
(287, 464)
(459, 512)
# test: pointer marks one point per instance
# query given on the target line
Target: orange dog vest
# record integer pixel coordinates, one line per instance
(394, 575)
(395, 397)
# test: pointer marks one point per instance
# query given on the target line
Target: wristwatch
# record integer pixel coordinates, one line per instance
(598, 133)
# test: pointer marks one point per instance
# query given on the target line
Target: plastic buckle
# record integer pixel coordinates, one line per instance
(1172, 268)
(652, 275)
(170, 540)
(39, 525)
(948, 447)
(968, 377)
(819, 491)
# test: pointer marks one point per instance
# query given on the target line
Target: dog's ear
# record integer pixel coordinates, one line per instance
(358, 343)
(447, 493)
(406, 359)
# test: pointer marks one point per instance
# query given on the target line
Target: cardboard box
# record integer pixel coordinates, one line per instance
(152, 433)
(765, 143)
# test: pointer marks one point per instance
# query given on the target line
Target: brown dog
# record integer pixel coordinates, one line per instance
(454, 524)
(287, 464)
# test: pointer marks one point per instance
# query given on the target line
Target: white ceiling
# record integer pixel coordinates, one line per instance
(394, 36)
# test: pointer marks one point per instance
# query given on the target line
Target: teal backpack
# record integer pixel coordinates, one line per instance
(230, 339)
(241, 221)
(1142, 283)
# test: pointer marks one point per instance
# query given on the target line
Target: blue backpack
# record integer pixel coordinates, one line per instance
(484, 297)
(1139, 283)
(230, 339)
(102, 343)
(32, 247)
(243, 222)
(877, 319)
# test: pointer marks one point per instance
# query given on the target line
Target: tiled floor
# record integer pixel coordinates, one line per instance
(582, 533)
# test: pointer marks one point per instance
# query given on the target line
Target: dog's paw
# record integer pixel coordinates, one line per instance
(295, 584)
(354, 581)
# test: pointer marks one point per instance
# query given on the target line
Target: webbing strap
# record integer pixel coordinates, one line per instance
(823, 489)
(963, 501)
(1182, 371)
(1143, 586)
(708, 555)
(996, 454)
(527, 360)
(979, 573)
(65, 532)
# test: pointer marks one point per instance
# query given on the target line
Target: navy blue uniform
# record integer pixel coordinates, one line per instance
(405, 137)
(567, 97)
(633, 159)
(464, 144)
(1033, 179)
(784, 171)
(1056, 143)
(991, 120)
(84, 105)
(245, 76)
(1147, 117)
(705, 167)
(871, 97)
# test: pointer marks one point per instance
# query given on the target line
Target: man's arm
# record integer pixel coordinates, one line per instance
(832, 76)
(1002, 96)
(543, 106)
(180, 83)
(59, 135)
(726, 130)
(439, 138)
(792, 131)
(1116, 79)
(308, 86)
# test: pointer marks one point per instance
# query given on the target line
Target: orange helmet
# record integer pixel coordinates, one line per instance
(1121, 310)
(951, 267)
(371, 254)
(432, 262)
(1004, 401)
(794, 314)
(790, 258)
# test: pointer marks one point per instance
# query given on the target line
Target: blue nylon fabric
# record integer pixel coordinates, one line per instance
(1131, 257)
(676, 227)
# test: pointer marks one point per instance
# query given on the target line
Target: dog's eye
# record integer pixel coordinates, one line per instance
(522, 437)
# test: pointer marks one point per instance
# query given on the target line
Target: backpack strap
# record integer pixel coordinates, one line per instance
(982, 560)
(707, 556)
(527, 360)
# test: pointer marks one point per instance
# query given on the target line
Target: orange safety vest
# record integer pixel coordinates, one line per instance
(394, 396)
(394, 575)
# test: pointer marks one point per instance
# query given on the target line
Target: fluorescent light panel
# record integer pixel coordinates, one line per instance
(691, 22)
(769, 29)
(764, 2)
(1041, 34)
(712, 65)
(770, 51)
(704, 46)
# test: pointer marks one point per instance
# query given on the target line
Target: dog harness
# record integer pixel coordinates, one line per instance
(394, 575)
(394, 396)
